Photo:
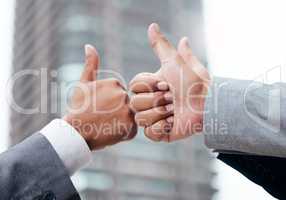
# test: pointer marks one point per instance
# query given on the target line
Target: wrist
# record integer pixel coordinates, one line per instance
(68, 144)
(204, 99)
(75, 123)
(200, 107)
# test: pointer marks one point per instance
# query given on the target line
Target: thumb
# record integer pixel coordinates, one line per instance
(161, 46)
(91, 64)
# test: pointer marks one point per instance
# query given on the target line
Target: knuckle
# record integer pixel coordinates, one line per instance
(124, 96)
(162, 110)
(137, 118)
(133, 102)
(114, 81)
(158, 96)
(126, 112)
(143, 82)
(133, 85)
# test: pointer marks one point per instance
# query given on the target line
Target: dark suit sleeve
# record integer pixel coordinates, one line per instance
(33, 170)
(268, 172)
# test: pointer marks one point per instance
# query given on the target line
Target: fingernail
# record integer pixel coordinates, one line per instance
(156, 27)
(162, 86)
(186, 41)
(168, 96)
(170, 120)
(88, 48)
(170, 107)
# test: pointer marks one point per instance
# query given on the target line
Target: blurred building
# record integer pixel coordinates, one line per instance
(49, 40)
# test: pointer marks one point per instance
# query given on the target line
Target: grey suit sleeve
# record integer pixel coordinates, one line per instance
(246, 117)
(33, 170)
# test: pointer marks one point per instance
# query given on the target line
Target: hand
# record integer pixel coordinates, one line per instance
(152, 103)
(188, 81)
(99, 109)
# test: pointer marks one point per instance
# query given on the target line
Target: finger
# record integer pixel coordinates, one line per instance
(170, 119)
(161, 46)
(190, 59)
(159, 131)
(168, 96)
(144, 82)
(163, 86)
(149, 117)
(146, 101)
(184, 49)
(91, 64)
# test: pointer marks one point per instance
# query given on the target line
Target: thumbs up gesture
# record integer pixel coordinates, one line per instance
(175, 93)
(99, 109)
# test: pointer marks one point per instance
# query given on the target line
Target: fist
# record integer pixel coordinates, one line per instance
(99, 109)
(153, 105)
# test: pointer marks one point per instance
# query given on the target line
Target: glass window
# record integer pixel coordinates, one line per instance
(68, 75)
(80, 23)
(159, 187)
(93, 180)
(70, 72)
(150, 151)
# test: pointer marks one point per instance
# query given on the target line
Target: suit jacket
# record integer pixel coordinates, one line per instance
(33, 170)
(246, 117)
(268, 172)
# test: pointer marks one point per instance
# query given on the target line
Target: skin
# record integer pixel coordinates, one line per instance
(99, 109)
(188, 83)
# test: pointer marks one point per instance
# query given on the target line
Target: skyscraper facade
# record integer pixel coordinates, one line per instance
(48, 47)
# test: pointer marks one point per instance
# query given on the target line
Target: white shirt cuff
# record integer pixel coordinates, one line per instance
(68, 143)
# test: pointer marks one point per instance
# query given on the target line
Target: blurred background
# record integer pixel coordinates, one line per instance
(240, 39)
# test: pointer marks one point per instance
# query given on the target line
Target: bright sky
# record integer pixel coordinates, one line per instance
(245, 38)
